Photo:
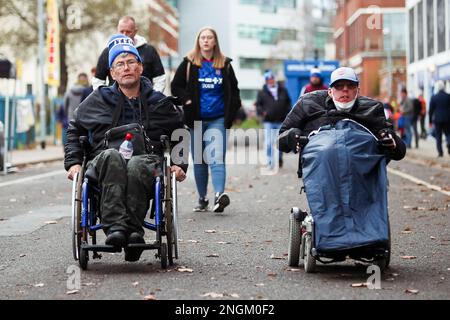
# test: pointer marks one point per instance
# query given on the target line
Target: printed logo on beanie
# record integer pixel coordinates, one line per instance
(119, 44)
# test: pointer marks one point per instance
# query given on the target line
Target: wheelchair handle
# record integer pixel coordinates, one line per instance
(85, 144)
(165, 142)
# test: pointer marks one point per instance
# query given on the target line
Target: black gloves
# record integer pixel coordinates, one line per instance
(294, 139)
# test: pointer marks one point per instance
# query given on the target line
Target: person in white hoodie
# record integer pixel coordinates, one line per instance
(153, 68)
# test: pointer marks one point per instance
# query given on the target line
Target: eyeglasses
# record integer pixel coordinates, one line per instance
(121, 65)
(349, 85)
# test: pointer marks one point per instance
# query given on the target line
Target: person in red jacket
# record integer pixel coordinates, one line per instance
(315, 82)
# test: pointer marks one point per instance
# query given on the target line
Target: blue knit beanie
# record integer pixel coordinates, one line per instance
(119, 44)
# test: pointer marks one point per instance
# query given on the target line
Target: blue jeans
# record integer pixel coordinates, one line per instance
(408, 132)
(271, 130)
(208, 148)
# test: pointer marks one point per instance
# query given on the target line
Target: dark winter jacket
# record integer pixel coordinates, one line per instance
(317, 109)
(440, 108)
(94, 117)
(189, 89)
(270, 109)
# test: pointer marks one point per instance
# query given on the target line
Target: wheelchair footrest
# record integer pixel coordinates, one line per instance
(153, 246)
(102, 248)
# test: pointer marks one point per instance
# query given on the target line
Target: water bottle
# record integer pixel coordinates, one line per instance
(126, 148)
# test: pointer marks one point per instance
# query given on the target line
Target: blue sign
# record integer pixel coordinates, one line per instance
(297, 74)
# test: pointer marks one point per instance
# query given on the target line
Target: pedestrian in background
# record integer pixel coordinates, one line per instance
(416, 119)
(273, 105)
(423, 115)
(72, 98)
(315, 82)
(407, 110)
(90, 88)
(440, 116)
(153, 68)
(207, 87)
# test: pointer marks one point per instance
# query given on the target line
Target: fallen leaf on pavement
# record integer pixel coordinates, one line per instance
(407, 232)
(409, 257)
(271, 274)
(89, 284)
(72, 292)
(412, 291)
(150, 297)
(359, 285)
(212, 295)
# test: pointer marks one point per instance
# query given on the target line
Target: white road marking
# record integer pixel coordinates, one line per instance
(418, 181)
(33, 178)
(30, 222)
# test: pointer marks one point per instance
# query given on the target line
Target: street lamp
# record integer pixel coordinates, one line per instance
(388, 48)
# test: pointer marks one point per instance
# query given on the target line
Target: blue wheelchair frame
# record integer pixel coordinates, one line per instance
(87, 195)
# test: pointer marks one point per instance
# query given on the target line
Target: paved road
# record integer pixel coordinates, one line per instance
(235, 262)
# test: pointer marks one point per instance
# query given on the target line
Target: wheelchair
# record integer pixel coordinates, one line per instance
(302, 238)
(85, 214)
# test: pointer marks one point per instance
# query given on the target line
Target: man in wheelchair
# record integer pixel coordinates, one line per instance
(126, 185)
(345, 143)
(341, 101)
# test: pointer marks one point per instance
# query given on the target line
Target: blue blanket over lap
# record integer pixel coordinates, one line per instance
(345, 178)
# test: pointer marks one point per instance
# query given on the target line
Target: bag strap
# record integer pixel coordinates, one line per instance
(117, 111)
(188, 72)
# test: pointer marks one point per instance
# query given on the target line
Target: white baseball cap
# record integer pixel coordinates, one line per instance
(343, 73)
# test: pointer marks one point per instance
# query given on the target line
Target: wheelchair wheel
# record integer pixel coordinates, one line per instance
(295, 230)
(84, 258)
(170, 213)
(163, 255)
(76, 214)
(309, 261)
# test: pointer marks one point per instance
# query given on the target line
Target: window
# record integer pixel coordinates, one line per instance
(420, 30)
(441, 25)
(395, 39)
(266, 35)
(271, 6)
(261, 64)
(430, 27)
(248, 94)
(411, 36)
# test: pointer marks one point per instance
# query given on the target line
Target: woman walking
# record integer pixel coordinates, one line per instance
(206, 85)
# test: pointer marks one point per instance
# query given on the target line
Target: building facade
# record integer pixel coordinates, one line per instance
(370, 37)
(428, 45)
(256, 34)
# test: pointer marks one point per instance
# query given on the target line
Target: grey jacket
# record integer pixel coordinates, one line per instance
(72, 100)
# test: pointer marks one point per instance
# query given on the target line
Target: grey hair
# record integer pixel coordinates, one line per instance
(440, 85)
